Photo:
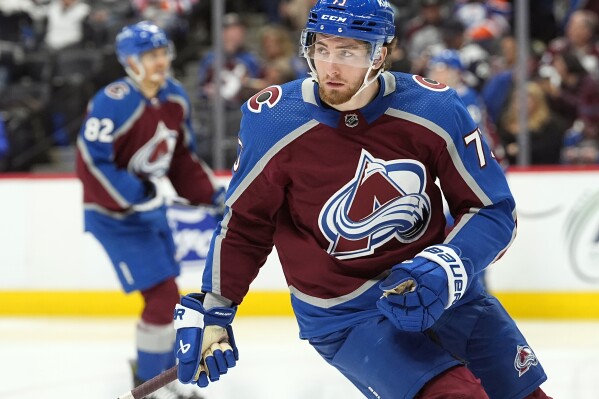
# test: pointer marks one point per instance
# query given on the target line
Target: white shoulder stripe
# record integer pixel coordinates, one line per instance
(390, 83)
(308, 91)
(451, 148)
(261, 164)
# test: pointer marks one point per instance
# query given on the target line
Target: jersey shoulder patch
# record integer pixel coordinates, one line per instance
(428, 101)
(430, 84)
(268, 97)
(116, 101)
(117, 90)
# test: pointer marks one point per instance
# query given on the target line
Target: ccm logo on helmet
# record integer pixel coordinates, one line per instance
(334, 18)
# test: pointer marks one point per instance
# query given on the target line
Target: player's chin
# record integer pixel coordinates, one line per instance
(335, 97)
(158, 77)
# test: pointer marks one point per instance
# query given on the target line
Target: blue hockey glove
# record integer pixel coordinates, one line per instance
(418, 291)
(205, 346)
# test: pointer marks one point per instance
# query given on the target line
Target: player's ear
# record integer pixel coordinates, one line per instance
(378, 63)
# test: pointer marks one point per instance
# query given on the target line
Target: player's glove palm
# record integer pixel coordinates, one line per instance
(205, 345)
(418, 291)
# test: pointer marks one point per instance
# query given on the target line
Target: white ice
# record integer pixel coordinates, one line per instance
(60, 358)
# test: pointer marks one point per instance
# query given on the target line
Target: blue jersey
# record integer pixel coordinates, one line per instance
(344, 196)
(126, 138)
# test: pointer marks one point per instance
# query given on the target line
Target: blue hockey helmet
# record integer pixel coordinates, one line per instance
(371, 21)
(448, 58)
(136, 39)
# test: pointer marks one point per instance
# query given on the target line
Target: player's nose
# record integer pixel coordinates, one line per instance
(332, 68)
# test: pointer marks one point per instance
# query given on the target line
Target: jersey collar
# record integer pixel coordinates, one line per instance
(331, 117)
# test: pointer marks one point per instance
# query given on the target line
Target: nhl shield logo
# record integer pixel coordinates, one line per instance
(351, 120)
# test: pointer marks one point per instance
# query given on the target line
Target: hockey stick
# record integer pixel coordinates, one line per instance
(151, 385)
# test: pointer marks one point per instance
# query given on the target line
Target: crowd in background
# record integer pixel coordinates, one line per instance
(54, 54)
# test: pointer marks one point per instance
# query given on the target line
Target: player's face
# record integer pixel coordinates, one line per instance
(444, 74)
(341, 64)
(156, 64)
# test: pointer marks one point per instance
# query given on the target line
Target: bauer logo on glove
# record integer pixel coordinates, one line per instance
(418, 291)
(206, 347)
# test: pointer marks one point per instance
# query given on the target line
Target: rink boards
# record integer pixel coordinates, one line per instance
(48, 266)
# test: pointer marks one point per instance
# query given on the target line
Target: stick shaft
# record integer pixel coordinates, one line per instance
(152, 385)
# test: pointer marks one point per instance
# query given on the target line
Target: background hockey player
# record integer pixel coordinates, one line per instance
(135, 157)
(338, 172)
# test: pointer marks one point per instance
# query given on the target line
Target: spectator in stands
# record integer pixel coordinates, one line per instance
(295, 13)
(579, 39)
(280, 60)
(591, 5)
(65, 24)
(507, 56)
(581, 142)
(167, 14)
(546, 129)
(272, 10)
(578, 93)
(239, 64)
(106, 18)
(485, 20)
(423, 33)
(276, 43)
(497, 89)
(17, 36)
(542, 19)
(474, 58)
(572, 89)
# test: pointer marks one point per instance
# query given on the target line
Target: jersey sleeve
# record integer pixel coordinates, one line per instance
(476, 190)
(244, 238)
(191, 178)
(108, 185)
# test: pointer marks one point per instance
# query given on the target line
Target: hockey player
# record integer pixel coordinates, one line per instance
(135, 157)
(338, 172)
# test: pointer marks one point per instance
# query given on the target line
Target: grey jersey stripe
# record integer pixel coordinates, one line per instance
(451, 148)
(329, 303)
(125, 127)
(119, 199)
(261, 164)
(248, 179)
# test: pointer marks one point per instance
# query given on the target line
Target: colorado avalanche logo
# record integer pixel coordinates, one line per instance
(525, 359)
(117, 90)
(430, 84)
(384, 201)
(154, 157)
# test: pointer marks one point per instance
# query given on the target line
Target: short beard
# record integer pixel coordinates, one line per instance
(336, 97)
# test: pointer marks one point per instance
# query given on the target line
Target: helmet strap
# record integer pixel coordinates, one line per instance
(367, 82)
(137, 77)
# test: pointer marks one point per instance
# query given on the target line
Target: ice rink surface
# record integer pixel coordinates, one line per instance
(59, 358)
